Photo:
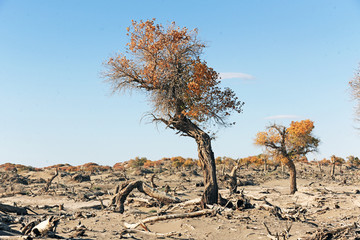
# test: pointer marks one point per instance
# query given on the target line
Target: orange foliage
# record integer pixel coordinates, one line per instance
(189, 162)
(165, 61)
(10, 167)
(325, 162)
(177, 161)
(119, 166)
(70, 169)
(301, 128)
(148, 164)
(296, 140)
(302, 159)
(159, 163)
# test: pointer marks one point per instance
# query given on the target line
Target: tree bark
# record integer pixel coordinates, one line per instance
(207, 159)
(206, 156)
(332, 170)
(265, 165)
(292, 170)
(167, 217)
(233, 180)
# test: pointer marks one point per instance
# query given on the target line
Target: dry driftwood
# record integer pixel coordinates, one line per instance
(48, 183)
(78, 231)
(285, 234)
(232, 180)
(152, 181)
(293, 214)
(9, 208)
(335, 233)
(172, 216)
(28, 227)
(162, 235)
(44, 227)
(126, 189)
(13, 193)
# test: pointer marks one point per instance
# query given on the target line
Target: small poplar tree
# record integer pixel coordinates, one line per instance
(289, 143)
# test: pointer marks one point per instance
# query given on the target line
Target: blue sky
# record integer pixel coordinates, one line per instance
(291, 60)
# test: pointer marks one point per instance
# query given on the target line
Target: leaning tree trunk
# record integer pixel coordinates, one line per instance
(292, 170)
(206, 157)
(205, 153)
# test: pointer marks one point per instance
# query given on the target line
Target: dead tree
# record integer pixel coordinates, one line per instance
(152, 181)
(48, 183)
(283, 235)
(232, 180)
(126, 189)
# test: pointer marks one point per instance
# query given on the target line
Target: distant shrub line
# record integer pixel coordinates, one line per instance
(179, 162)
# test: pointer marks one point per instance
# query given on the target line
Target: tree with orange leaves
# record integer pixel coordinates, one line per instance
(289, 143)
(184, 91)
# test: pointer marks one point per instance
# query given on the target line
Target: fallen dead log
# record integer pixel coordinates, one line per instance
(126, 189)
(285, 234)
(172, 216)
(335, 233)
(154, 234)
(13, 193)
(195, 201)
(13, 209)
(78, 231)
(295, 215)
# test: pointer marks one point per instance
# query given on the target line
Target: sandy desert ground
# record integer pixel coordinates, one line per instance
(322, 208)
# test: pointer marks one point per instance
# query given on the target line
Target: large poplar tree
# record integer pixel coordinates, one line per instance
(165, 63)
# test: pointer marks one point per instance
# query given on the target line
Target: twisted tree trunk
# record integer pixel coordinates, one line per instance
(207, 159)
(206, 156)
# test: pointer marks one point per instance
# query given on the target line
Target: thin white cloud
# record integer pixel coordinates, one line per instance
(230, 75)
(283, 117)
